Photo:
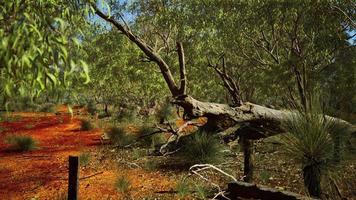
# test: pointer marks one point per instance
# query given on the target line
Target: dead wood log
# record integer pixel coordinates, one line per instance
(237, 190)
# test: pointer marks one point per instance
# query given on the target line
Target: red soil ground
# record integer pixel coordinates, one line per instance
(42, 173)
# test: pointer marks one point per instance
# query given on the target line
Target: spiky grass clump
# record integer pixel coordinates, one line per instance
(122, 184)
(202, 147)
(143, 133)
(182, 188)
(86, 125)
(164, 112)
(150, 165)
(21, 143)
(310, 141)
(148, 136)
(119, 137)
(84, 159)
(201, 191)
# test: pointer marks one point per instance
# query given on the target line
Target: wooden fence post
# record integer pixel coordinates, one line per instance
(73, 180)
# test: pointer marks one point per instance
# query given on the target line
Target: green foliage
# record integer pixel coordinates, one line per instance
(308, 139)
(48, 107)
(10, 118)
(264, 176)
(84, 159)
(86, 125)
(21, 143)
(91, 107)
(118, 136)
(34, 47)
(201, 191)
(138, 153)
(150, 165)
(314, 141)
(201, 147)
(164, 112)
(149, 141)
(122, 184)
(182, 188)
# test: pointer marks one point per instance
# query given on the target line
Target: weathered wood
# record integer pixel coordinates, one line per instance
(237, 190)
(73, 180)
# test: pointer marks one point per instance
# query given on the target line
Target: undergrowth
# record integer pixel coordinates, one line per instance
(21, 143)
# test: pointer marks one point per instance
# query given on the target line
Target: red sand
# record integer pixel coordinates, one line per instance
(42, 173)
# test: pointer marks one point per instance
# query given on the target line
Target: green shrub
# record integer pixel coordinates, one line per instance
(201, 191)
(21, 143)
(118, 136)
(84, 159)
(91, 107)
(152, 140)
(48, 107)
(150, 165)
(164, 112)
(182, 188)
(86, 125)
(201, 147)
(264, 176)
(138, 153)
(122, 184)
(310, 141)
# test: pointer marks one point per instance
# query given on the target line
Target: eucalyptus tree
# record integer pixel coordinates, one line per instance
(35, 38)
(283, 43)
(119, 77)
(269, 47)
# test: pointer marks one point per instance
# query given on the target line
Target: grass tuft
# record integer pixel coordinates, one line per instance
(84, 159)
(182, 188)
(86, 125)
(201, 147)
(21, 143)
(118, 136)
(122, 184)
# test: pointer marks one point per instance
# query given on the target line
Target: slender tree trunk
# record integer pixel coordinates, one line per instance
(106, 109)
(312, 179)
(247, 148)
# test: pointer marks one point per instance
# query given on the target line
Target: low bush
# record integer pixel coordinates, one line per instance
(84, 159)
(201, 191)
(149, 140)
(48, 107)
(182, 188)
(122, 184)
(118, 136)
(86, 125)
(201, 147)
(164, 112)
(91, 107)
(138, 153)
(21, 143)
(150, 165)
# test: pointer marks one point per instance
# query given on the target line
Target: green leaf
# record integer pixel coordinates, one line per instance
(52, 78)
(86, 71)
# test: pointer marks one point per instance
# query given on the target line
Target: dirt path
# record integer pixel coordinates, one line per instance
(42, 173)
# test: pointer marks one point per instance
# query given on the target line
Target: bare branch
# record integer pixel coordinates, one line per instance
(183, 75)
(167, 75)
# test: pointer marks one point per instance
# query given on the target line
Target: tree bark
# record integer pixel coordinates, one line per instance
(247, 148)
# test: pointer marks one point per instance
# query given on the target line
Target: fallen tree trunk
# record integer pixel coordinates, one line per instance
(249, 120)
(237, 190)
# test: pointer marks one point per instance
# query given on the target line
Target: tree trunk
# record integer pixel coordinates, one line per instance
(247, 148)
(312, 179)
